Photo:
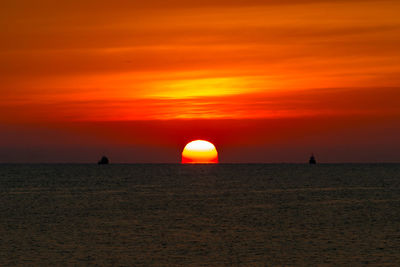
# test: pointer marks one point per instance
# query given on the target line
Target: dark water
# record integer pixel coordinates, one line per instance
(202, 215)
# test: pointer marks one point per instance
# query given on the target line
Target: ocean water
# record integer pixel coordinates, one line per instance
(200, 215)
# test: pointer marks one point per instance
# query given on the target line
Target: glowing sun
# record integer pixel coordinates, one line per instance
(199, 151)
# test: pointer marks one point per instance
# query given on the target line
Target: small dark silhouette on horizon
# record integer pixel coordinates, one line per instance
(312, 160)
(104, 160)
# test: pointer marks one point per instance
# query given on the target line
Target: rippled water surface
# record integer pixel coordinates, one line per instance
(200, 215)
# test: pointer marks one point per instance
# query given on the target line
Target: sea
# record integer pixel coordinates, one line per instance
(199, 215)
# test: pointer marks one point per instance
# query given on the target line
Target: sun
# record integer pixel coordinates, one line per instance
(199, 151)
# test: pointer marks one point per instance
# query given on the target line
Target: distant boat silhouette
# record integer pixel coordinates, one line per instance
(104, 160)
(312, 160)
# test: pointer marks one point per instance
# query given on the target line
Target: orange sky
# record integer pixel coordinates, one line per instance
(69, 65)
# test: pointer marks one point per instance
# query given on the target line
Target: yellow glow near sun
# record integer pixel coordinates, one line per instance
(199, 151)
(190, 88)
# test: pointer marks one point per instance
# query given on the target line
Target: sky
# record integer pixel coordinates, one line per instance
(265, 81)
